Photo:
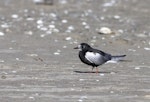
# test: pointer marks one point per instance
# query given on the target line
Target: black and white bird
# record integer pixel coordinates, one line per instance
(95, 57)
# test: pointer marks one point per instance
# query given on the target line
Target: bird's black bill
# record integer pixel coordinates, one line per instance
(76, 48)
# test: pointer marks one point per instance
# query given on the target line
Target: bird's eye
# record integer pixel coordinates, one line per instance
(83, 47)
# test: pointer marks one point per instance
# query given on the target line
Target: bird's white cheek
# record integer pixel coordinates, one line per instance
(79, 47)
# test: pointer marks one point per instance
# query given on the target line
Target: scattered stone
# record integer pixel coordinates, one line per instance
(2, 34)
(56, 53)
(137, 68)
(116, 17)
(105, 30)
(87, 27)
(68, 38)
(71, 27)
(53, 15)
(147, 96)
(146, 48)
(133, 50)
(63, 1)
(2, 61)
(5, 25)
(51, 26)
(141, 35)
(64, 47)
(33, 55)
(45, 2)
(81, 79)
(29, 32)
(14, 71)
(17, 59)
(40, 22)
(15, 16)
(101, 74)
(64, 21)
(3, 77)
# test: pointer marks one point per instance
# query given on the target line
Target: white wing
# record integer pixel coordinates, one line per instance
(95, 58)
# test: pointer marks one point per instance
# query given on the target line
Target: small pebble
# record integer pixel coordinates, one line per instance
(31, 97)
(53, 15)
(141, 35)
(64, 46)
(30, 19)
(33, 55)
(42, 35)
(111, 91)
(87, 27)
(70, 28)
(84, 23)
(2, 34)
(101, 74)
(4, 25)
(38, 1)
(63, 1)
(3, 77)
(133, 50)
(80, 100)
(112, 72)
(15, 16)
(56, 30)
(83, 97)
(46, 2)
(64, 21)
(117, 17)
(49, 32)
(39, 22)
(72, 89)
(120, 31)
(44, 28)
(105, 30)
(2, 61)
(51, 26)
(66, 12)
(29, 32)
(102, 18)
(68, 38)
(81, 79)
(137, 68)
(17, 59)
(56, 40)
(14, 71)
(146, 48)
(56, 53)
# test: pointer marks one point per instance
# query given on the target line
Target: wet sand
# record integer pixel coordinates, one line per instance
(38, 62)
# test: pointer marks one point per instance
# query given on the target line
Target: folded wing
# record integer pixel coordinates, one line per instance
(95, 58)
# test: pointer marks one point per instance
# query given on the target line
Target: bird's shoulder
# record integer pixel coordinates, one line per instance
(105, 55)
(97, 51)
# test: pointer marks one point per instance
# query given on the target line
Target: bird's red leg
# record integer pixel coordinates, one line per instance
(97, 70)
(92, 68)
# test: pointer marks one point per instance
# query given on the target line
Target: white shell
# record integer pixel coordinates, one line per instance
(105, 30)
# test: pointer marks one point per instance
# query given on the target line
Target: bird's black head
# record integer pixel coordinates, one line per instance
(83, 47)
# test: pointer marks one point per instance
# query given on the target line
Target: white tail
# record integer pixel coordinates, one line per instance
(117, 58)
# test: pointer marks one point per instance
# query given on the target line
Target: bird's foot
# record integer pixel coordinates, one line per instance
(97, 71)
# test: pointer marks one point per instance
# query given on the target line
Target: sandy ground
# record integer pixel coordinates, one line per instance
(38, 62)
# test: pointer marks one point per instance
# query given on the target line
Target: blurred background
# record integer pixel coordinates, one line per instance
(38, 63)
